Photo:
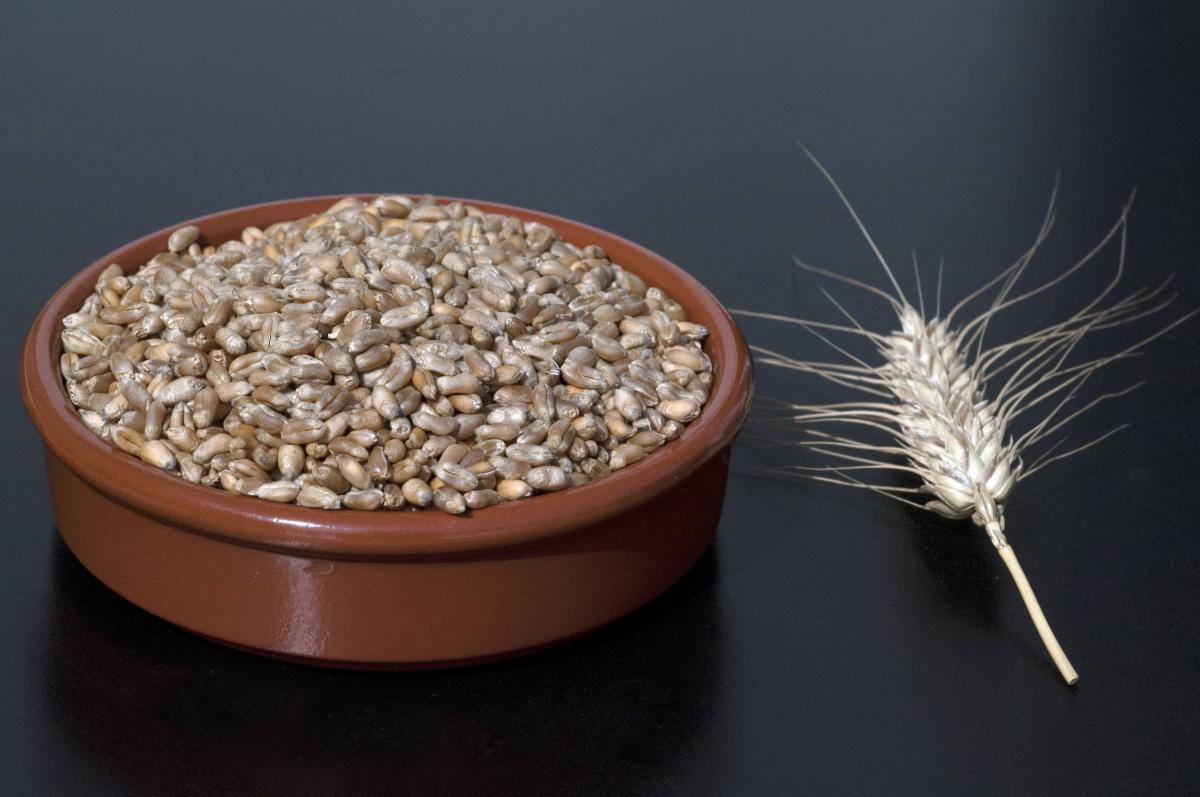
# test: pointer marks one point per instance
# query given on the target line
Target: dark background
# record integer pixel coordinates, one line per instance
(830, 642)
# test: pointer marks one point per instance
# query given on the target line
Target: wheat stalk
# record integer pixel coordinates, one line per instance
(931, 393)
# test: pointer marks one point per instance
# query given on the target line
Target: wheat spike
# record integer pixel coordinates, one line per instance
(946, 403)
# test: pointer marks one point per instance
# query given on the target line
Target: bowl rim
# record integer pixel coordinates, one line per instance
(288, 528)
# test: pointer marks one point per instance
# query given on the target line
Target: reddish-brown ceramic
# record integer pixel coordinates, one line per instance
(387, 589)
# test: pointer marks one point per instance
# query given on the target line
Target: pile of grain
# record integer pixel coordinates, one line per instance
(388, 354)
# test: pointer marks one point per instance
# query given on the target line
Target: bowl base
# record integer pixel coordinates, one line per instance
(409, 613)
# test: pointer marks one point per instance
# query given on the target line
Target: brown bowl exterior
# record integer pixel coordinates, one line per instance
(388, 589)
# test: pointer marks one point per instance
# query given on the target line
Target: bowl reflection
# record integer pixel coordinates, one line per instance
(159, 710)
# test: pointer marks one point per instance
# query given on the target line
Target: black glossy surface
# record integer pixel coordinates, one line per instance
(832, 642)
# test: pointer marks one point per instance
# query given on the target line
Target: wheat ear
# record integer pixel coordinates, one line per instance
(929, 394)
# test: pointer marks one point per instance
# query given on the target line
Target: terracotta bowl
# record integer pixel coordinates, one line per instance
(387, 589)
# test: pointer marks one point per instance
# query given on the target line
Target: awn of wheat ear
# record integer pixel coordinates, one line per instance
(945, 405)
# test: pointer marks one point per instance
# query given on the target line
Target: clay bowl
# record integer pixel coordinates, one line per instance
(387, 589)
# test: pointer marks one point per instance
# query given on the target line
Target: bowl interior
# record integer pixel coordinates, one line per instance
(348, 533)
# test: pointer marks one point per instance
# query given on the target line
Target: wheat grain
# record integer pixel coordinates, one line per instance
(346, 351)
(930, 394)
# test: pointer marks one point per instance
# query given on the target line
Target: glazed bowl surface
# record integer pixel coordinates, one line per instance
(387, 589)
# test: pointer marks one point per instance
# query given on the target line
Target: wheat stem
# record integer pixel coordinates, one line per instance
(1035, 613)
